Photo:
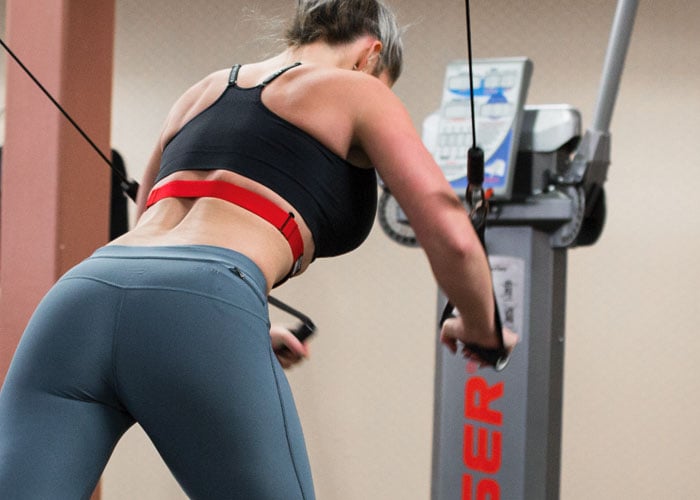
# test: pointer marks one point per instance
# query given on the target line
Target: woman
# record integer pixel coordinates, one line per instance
(259, 170)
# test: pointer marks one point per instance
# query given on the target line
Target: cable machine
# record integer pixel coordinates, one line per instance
(497, 434)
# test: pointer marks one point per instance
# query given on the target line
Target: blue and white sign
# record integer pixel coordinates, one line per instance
(500, 86)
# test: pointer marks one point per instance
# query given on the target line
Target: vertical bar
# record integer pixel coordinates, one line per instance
(614, 64)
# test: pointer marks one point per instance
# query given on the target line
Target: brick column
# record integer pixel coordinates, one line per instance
(54, 209)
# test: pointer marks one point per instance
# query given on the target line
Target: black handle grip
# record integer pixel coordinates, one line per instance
(130, 188)
(475, 166)
(496, 357)
(302, 332)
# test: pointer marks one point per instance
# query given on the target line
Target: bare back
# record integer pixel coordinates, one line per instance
(307, 97)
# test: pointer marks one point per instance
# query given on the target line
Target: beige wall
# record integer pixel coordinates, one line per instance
(632, 397)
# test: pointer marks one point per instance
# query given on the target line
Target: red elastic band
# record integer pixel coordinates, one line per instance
(253, 202)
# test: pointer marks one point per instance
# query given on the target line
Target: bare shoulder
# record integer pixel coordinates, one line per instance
(343, 82)
(196, 98)
(209, 83)
(348, 93)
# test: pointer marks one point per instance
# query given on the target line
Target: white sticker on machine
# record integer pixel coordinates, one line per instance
(509, 286)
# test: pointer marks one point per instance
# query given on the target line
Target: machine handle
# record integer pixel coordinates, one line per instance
(303, 330)
(498, 357)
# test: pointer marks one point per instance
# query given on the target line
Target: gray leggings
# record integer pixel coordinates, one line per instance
(174, 338)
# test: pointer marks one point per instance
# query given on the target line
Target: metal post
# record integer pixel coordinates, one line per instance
(614, 63)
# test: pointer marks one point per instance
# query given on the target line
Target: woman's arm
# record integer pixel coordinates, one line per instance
(147, 181)
(384, 130)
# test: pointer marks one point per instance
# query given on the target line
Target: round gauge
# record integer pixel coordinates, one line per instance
(394, 222)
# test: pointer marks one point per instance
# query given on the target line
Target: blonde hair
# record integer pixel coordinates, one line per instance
(342, 21)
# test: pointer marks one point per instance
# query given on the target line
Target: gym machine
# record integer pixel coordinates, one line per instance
(497, 434)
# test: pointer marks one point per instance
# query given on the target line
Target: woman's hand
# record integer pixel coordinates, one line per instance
(288, 349)
(454, 331)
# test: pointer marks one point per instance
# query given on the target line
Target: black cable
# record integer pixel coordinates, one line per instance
(129, 186)
(471, 74)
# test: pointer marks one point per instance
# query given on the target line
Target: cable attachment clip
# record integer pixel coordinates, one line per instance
(477, 200)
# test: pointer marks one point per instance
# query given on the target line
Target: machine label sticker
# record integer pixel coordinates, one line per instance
(508, 275)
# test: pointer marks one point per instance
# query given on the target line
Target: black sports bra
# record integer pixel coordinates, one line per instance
(336, 199)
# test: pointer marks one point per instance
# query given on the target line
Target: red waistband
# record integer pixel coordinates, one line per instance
(253, 202)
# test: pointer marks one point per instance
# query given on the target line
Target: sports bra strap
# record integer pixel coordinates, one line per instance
(234, 75)
(279, 72)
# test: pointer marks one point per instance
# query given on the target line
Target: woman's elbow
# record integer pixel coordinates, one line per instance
(453, 245)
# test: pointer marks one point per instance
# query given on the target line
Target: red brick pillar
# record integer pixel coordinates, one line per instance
(55, 189)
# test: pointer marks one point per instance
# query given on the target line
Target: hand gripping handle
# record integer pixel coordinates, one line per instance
(497, 357)
(303, 330)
